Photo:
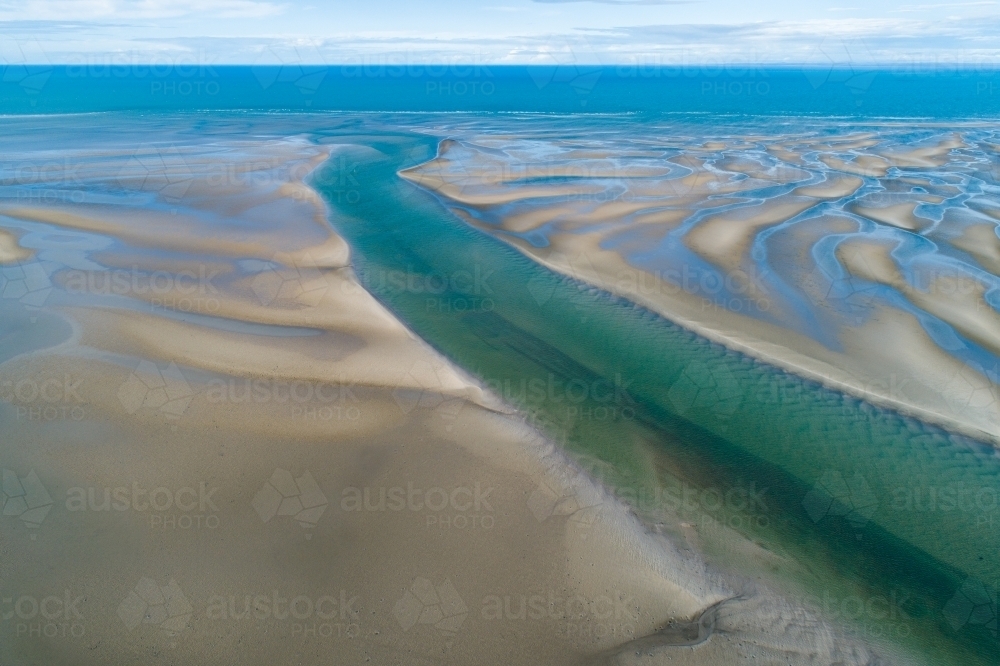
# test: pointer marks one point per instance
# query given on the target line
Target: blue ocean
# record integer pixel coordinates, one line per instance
(906, 90)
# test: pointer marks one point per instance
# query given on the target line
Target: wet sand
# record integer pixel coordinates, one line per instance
(696, 247)
(218, 447)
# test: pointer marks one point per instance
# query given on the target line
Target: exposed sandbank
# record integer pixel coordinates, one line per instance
(618, 248)
(249, 379)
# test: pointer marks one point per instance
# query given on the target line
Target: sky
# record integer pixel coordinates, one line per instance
(639, 33)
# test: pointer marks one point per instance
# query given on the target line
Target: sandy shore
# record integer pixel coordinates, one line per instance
(748, 274)
(218, 448)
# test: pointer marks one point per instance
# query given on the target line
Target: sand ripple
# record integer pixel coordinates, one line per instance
(820, 250)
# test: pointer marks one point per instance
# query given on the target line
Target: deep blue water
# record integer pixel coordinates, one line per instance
(913, 90)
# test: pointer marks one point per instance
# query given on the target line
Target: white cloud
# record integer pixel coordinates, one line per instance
(949, 5)
(125, 34)
(621, 2)
(89, 10)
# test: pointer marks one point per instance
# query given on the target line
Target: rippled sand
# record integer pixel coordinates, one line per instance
(218, 448)
(867, 260)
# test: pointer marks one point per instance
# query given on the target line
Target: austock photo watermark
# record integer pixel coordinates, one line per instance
(324, 615)
(330, 615)
(467, 76)
(283, 281)
(148, 605)
(51, 615)
(457, 291)
(156, 389)
(153, 388)
(298, 399)
(189, 290)
(167, 508)
(339, 180)
(573, 617)
(856, 499)
(741, 291)
(192, 73)
(47, 180)
(46, 398)
(283, 496)
(460, 507)
(23, 62)
(420, 392)
(686, 63)
(742, 506)
(298, 498)
(975, 505)
(975, 605)
(25, 498)
(878, 616)
(577, 399)
(969, 387)
(411, 64)
(301, 499)
(188, 74)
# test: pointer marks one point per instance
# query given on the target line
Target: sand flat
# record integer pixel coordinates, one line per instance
(925, 156)
(863, 165)
(899, 215)
(778, 330)
(724, 239)
(289, 381)
(983, 243)
(831, 188)
(956, 300)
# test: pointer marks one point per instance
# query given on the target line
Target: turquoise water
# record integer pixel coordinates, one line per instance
(864, 497)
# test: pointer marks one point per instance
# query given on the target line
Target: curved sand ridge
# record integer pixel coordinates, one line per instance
(220, 345)
(759, 258)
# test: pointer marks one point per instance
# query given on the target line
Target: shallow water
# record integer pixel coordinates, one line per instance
(812, 243)
(874, 505)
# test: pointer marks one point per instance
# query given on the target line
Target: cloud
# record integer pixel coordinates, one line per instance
(955, 34)
(621, 2)
(849, 40)
(948, 5)
(89, 10)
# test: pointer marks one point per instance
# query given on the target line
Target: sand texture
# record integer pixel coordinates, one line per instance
(219, 448)
(804, 251)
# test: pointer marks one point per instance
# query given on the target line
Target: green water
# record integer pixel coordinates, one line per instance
(666, 418)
